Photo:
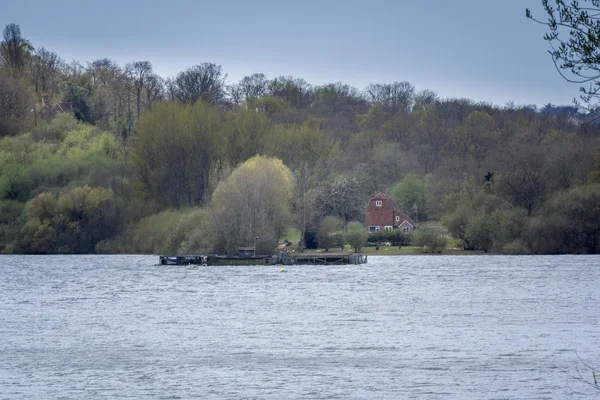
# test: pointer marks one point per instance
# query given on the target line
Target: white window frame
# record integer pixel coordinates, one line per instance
(371, 229)
(397, 218)
(377, 228)
(378, 203)
(389, 228)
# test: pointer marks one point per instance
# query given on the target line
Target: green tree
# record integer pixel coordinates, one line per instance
(255, 200)
(331, 232)
(79, 97)
(14, 49)
(175, 153)
(73, 222)
(568, 223)
(15, 104)
(412, 190)
(356, 235)
(480, 231)
(431, 238)
(246, 131)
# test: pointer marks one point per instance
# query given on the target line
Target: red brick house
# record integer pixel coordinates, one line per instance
(384, 214)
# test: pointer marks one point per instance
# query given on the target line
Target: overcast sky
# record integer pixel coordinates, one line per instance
(481, 49)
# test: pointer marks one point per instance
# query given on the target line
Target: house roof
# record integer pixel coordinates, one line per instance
(383, 196)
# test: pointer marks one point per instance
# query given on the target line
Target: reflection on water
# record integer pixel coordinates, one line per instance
(399, 327)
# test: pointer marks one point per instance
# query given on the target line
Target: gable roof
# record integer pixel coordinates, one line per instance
(383, 196)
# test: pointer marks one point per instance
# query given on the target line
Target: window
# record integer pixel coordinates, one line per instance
(377, 228)
(406, 229)
(389, 228)
(397, 218)
(371, 229)
(378, 203)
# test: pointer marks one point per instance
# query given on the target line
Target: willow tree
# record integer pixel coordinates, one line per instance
(253, 202)
(176, 151)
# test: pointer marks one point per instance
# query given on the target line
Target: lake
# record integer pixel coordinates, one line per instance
(435, 327)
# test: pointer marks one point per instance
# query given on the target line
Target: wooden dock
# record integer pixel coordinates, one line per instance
(282, 258)
(323, 259)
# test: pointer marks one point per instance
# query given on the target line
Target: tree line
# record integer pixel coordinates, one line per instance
(112, 158)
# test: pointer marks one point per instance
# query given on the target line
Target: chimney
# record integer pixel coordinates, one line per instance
(381, 188)
(415, 213)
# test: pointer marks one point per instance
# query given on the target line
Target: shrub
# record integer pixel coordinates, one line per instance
(432, 238)
(356, 235)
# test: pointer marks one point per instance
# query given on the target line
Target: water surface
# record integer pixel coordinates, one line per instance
(485, 327)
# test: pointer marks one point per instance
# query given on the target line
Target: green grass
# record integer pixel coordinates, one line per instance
(291, 234)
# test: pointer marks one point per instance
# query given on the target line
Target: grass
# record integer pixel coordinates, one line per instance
(291, 234)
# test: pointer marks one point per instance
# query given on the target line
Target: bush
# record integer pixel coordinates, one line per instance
(356, 235)
(431, 238)
(480, 231)
(515, 247)
(331, 232)
(396, 237)
(55, 130)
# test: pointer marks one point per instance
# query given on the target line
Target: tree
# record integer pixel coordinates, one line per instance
(176, 151)
(45, 71)
(574, 38)
(330, 232)
(356, 235)
(15, 102)
(139, 72)
(79, 97)
(245, 134)
(14, 49)
(569, 222)
(254, 201)
(396, 97)
(340, 197)
(71, 223)
(204, 82)
(431, 238)
(410, 191)
(296, 91)
(254, 86)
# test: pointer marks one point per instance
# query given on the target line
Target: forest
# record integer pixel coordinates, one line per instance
(97, 157)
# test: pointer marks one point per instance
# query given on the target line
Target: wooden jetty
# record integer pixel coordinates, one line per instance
(282, 258)
(323, 258)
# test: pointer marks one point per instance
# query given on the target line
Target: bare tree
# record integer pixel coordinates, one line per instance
(45, 71)
(201, 82)
(393, 97)
(154, 90)
(139, 72)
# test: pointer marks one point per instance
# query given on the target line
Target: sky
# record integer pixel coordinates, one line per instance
(481, 49)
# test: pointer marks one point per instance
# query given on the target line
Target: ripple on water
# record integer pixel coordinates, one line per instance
(399, 327)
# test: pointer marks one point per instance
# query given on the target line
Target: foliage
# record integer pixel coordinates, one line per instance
(577, 53)
(340, 197)
(356, 235)
(331, 232)
(11, 216)
(70, 223)
(432, 238)
(480, 231)
(497, 175)
(176, 151)
(184, 231)
(568, 223)
(396, 237)
(410, 191)
(254, 200)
